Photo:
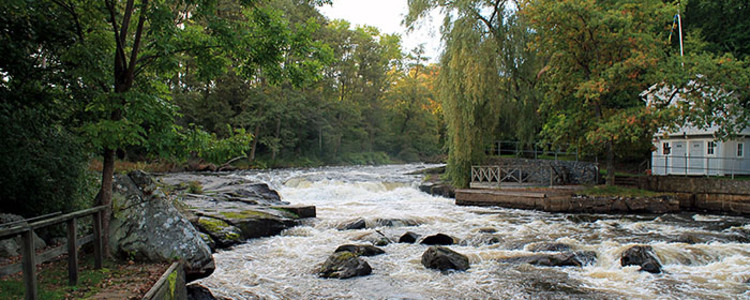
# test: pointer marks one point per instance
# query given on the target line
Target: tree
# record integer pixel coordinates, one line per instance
(723, 24)
(602, 56)
(487, 81)
(113, 62)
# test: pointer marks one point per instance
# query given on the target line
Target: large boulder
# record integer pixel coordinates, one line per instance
(642, 256)
(444, 259)
(12, 246)
(438, 239)
(146, 226)
(251, 221)
(360, 250)
(567, 259)
(344, 265)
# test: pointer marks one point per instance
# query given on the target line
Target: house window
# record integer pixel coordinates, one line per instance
(666, 149)
(711, 148)
(740, 150)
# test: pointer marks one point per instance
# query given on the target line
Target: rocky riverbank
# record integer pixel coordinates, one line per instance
(161, 219)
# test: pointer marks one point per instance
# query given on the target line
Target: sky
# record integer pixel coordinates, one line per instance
(387, 15)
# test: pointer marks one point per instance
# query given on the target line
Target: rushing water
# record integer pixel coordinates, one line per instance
(284, 267)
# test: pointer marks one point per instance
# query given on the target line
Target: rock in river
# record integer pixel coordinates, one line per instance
(567, 259)
(443, 259)
(438, 239)
(344, 265)
(642, 256)
(360, 250)
(409, 237)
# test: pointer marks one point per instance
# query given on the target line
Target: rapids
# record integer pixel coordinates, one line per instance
(284, 267)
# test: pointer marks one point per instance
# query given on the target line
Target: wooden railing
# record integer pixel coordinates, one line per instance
(493, 176)
(30, 259)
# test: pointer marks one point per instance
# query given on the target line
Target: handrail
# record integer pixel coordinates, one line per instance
(29, 257)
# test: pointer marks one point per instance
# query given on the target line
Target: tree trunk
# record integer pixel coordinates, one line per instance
(610, 163)
(105, 198)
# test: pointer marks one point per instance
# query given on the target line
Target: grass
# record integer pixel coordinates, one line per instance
(52, 280)
(601, 190)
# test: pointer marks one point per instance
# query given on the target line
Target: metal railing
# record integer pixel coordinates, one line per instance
(685, 164)
(493, 176)
(518, 149)
(29, 257)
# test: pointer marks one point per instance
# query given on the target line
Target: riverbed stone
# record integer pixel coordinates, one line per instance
(549, 247)
(146, 225)
(566, 259)
(642, 256)
(198, 292)
(438, 239)
(344, 265)
(361, 250)
(444, 259)
(354, 225)
(409, 237)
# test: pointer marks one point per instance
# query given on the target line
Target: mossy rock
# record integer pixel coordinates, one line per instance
(223, 233)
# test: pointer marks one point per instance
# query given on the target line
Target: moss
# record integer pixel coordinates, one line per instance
(291, 214)
(213, 225)
(246, 214)
(216, 226)
(172, 280)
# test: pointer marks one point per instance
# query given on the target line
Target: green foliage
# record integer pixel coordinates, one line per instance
(723, 24)
(212, 149)
(45, 167)
(365, 158)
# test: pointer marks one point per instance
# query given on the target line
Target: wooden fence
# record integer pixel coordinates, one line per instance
(30, 259)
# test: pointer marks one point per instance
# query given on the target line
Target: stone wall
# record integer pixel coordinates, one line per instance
(696, 185)
(704, 194)
(567, 172)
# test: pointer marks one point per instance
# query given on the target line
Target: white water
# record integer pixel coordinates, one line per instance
(284, 267)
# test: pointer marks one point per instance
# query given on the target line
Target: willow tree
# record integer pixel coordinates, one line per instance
(487, 81)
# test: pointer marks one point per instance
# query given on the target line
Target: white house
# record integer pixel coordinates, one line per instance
(693, 151)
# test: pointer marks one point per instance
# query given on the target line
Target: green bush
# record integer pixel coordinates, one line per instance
(43, 165)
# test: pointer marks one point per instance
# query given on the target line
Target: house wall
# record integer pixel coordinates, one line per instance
(690, 156)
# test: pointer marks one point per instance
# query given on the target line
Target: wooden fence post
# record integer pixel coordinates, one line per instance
(72, 253)
(29, 264)
(98, 253)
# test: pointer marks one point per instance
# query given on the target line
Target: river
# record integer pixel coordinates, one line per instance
(284, 267)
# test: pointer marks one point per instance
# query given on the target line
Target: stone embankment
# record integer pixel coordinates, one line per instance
(566, 201)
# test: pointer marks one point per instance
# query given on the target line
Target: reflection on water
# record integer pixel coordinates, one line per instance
(704, 256)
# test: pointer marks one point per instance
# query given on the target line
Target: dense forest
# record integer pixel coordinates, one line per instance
(274, 83)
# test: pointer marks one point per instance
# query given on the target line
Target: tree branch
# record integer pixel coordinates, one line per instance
(120, 51)
(137, 41)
